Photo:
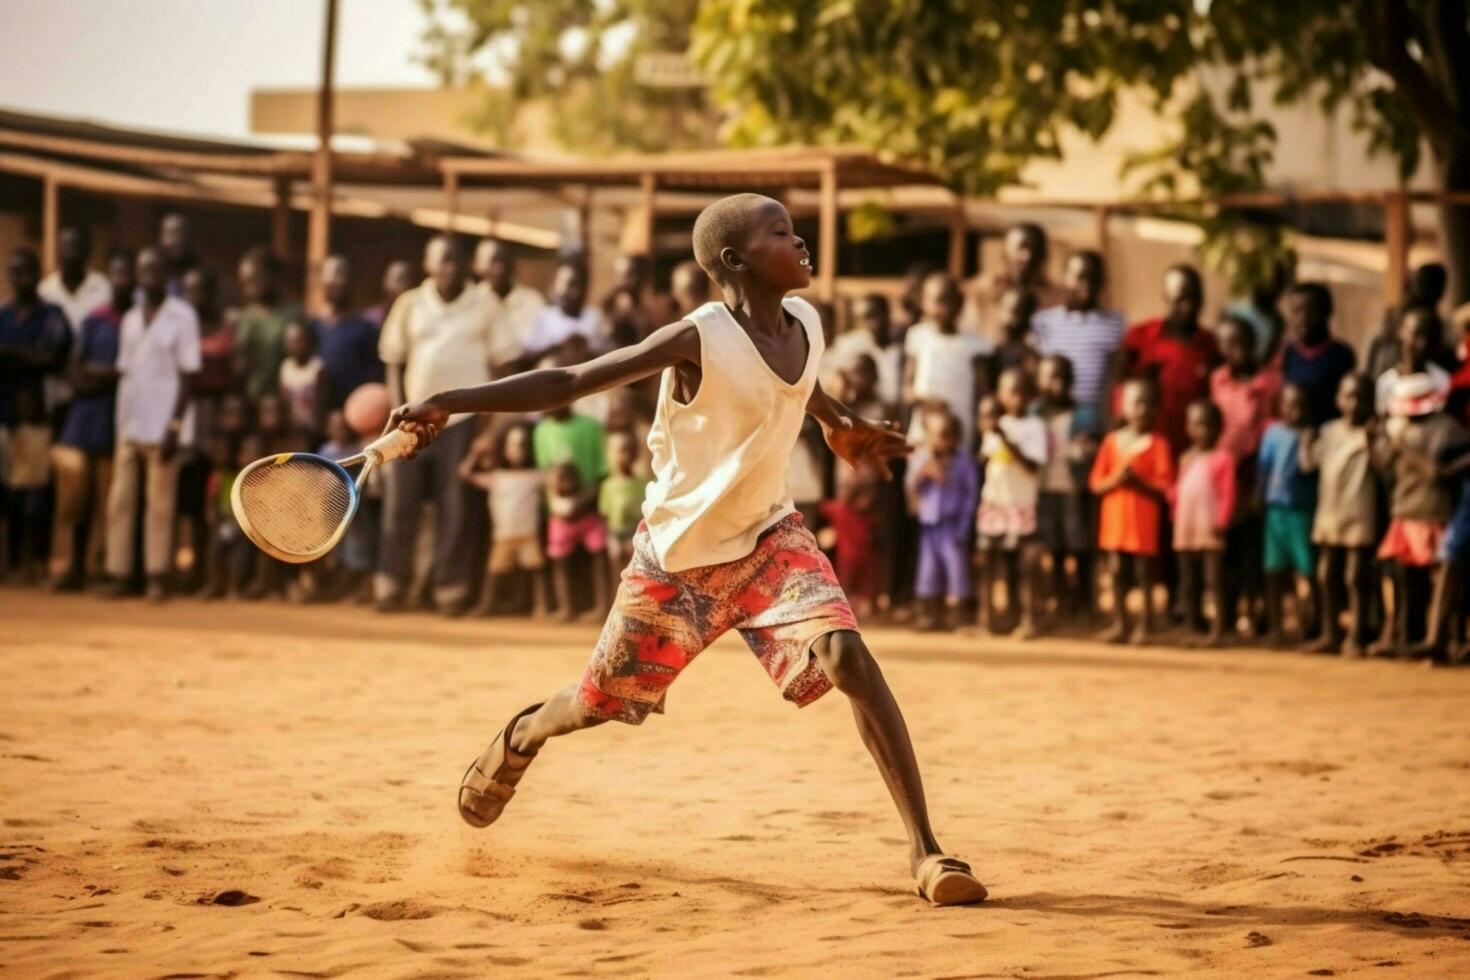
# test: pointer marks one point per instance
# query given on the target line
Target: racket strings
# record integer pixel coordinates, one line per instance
(297, 505)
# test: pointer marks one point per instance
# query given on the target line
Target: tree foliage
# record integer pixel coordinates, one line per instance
(580, 57)
(976, 89)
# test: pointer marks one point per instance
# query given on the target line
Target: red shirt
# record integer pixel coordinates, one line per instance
(1180, 365)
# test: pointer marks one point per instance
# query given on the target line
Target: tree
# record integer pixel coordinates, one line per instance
(975, 89)
(584, 59)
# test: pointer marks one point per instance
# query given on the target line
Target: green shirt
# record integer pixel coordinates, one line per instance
(620, 502)
(576, 439)
(258, 338)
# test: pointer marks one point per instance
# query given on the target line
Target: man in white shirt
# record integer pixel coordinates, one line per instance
(439, 335)
(513, 306)
(78, 290)
(158, 356)
(568, 314)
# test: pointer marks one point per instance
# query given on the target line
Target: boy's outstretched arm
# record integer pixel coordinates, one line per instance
(856, 439)
(538, 391)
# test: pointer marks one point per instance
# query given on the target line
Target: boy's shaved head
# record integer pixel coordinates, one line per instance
(723, 225)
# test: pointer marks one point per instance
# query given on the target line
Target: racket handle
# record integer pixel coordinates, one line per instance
(394, 445)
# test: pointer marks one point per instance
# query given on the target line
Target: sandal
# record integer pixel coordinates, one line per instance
(945, 880)
(483, 796)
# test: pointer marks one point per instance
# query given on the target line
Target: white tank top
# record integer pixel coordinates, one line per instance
(719, 462)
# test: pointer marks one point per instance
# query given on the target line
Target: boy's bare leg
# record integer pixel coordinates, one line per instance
(1214, 575)
(854, 672)
(1359, 581)
(486, 605)
(1028, 588)
(562, 714)
(561, 582)
(1330, 577)
(538, 592)
(1118, 576)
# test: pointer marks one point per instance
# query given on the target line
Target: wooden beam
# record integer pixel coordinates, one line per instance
(648, 187)
(959, 228)
(282, 162)
(281, 218)
(827, 232)
(50, 220)
(319, 228)
(1396, 241)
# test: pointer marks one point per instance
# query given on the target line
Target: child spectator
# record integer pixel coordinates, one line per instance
(1132, 474)
(620, 499)
(1314, 359)
(271, 421)
(807, 471)
(231, 557)
(301, 377)
(1062, 526)
(565, 437)
(1423, 287)
(1015, 350)
(689, 287)
(515, 489)
(1013, 448)
(1408, 448)
(854, 518)
(575, 522)
(1203, 502)
(1417, 329)
(942, 492)
(944, 366)
(357, 555)
(1245, 390)
(1345, 527)
(1447, 607)
(870, 336)
(1289, 497)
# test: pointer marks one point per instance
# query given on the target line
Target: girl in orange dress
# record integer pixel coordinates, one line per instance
(1132, 475)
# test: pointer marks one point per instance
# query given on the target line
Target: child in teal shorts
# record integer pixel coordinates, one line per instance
(1290, 499)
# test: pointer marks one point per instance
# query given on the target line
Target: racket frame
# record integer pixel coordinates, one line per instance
(390, 446)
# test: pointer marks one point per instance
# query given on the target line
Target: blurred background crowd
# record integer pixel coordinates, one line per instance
(1076, 467)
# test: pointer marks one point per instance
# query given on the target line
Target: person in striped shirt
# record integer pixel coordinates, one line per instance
(1088, 335)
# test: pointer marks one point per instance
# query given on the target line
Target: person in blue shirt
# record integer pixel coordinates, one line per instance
(346, 340)
(83, 456)
(34, 340)
(1314, 359)
(1290, 499)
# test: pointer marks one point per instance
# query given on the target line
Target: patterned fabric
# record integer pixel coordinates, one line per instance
(782, 597)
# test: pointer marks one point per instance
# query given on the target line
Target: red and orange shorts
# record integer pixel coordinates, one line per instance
(782, 597)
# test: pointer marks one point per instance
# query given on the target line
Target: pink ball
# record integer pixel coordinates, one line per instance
(366, 409)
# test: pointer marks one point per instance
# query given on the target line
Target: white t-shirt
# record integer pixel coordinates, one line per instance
(515, 502)
(720, 462)
(1007, 482)
(1056, 475)
(553, 328)
(1383, 387)
(513, 316)
(944, 369)
(442, 345)
(151, 361)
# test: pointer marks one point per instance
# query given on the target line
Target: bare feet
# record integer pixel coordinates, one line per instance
(1351, 648)
(1117, 633)
(1326, 643)
(1140, 637)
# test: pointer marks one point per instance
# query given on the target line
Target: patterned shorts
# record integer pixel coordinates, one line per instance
(782, 597)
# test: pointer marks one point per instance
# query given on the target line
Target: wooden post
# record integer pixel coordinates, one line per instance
(1396, 235)
(319, 231)
(827, 231)
(451, 199)
(50, 219)
(281, 219)
(584, 225)
(648, 185)
(959, 228)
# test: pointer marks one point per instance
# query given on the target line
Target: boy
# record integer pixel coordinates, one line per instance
(719, 548)
(943, 365)
(1288, 494)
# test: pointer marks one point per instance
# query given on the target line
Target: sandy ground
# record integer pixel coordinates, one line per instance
(1133, 813)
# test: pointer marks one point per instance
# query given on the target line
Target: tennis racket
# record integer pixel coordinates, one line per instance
(296, 506)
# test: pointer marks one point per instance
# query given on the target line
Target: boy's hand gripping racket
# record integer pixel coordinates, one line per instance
(296, 506)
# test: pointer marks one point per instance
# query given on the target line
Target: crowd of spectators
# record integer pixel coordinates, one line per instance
(1197, 482)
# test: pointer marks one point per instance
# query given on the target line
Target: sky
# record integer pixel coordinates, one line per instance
(189, 65)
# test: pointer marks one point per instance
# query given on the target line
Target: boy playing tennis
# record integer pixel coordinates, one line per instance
(721, 546)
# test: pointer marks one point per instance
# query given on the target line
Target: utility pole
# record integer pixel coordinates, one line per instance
(319, 231)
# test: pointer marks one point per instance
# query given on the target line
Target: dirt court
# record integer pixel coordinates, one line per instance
(239, 790)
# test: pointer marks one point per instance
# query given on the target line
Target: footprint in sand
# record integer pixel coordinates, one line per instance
(398, 911)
